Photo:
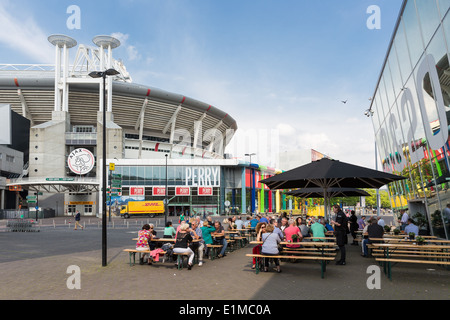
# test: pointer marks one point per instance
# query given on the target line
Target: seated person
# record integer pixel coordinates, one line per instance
(411, 227)
(142, 244)
(169, 230)
(220, 238)
(318, 230)
(182, 243)
(374, 230)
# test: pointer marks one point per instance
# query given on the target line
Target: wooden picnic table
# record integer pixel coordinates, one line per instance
(305, 243)
(165, 240)
(315, 251)
(407, 240)
(411, 253)
(402, 235)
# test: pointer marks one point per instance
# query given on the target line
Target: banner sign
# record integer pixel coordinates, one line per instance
(159, 191)
(205, 191)
(137, 191)
(182, 191)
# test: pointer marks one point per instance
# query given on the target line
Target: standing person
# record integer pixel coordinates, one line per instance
(181, 217)
(77, 221)
(404, 219)
(353, 227)
(182, 243)
(340, 230)
(361, 223)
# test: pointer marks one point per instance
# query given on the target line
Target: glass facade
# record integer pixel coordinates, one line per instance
(411, 114)
(231, 188)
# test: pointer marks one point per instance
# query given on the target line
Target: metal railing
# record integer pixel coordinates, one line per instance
(21, 225)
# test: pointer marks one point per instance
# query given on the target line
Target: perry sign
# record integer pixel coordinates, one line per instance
(81, 161)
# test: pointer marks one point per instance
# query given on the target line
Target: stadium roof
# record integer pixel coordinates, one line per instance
(30, 90)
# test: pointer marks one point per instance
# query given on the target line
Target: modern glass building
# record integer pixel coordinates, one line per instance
(410, 112)
(210, 186)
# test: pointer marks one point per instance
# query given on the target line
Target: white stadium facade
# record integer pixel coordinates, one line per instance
(64, 106)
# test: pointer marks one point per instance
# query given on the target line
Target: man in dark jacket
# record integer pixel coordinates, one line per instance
(340, 230)
(374, 231)
(77, 220)
(353, 227)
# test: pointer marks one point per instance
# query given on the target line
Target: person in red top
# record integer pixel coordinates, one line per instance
(290, 231)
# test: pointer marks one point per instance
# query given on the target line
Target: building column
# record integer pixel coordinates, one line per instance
(270, 201)
(243, 192)
(277, 201)
(253, 186)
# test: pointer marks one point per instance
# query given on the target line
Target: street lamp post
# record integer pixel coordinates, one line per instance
(166, 202)
(253, 182)
(104, 74)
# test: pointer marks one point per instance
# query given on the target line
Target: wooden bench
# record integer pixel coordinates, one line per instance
(180, 258)
(132, 253)
(240, 241)
(389, 254)
(213, 252)
(387, 262)
(230, 244)
(260, 260)
(307, 252)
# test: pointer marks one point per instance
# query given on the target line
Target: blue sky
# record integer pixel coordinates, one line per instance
(272, 65)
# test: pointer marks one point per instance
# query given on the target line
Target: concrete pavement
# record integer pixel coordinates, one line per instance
(35, 266)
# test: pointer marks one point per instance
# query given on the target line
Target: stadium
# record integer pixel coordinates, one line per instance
(63, 105)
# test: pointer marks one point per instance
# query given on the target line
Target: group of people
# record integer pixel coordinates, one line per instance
(194, 234)
(190, 236)
(272, 231)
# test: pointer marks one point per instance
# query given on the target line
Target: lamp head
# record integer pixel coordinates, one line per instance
(111, 72)
(96, 74)
(100, 74)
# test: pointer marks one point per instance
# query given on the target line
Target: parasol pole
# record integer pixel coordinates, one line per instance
(325, 207)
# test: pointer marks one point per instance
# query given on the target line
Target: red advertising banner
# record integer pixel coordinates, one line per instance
(159, 191)
(137, 191)
(205, 191)
(182, 191)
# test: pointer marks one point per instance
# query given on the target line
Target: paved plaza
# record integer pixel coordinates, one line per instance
(34, 265)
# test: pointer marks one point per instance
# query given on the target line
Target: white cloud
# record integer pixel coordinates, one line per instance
(24, 35)
(133, 53)
(286, 130)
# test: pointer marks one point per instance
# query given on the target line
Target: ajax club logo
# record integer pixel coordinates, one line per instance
(81, 161)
